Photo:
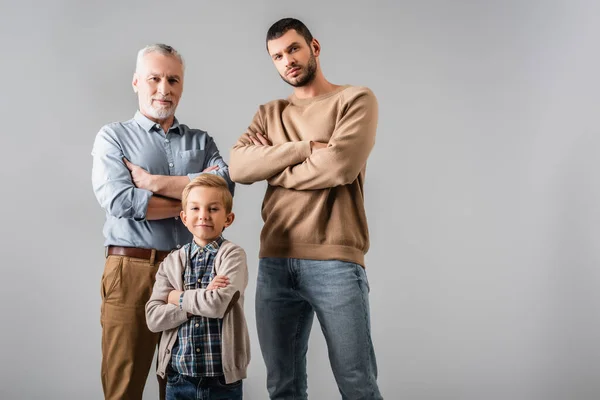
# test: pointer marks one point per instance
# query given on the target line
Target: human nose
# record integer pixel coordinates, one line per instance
(164, 87)
(289, 60)
(203, 214)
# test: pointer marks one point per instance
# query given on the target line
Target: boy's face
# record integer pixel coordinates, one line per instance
(205, 215)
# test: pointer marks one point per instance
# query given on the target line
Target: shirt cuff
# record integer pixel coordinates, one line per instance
(141, 198)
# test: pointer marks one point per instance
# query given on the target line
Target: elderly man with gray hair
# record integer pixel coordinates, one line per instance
(140, 168)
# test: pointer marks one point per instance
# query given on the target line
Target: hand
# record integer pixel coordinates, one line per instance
(174, 297)
(260, 140)
(141, 178)
(219, 281)
(316, 146)
(213, 168)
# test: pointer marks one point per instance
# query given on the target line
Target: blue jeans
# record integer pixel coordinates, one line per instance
(288, 294)
(181, 387)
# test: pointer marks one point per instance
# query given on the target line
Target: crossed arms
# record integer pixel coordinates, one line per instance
(306, 165)
(162, 315)
(125, 190)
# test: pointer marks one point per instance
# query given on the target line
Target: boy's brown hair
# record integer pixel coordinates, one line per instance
(209, 180)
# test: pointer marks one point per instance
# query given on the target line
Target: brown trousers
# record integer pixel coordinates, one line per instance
(127, 344)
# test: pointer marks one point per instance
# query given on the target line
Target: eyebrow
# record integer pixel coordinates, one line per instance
(287, 48)
(218, 203)
(151, 74)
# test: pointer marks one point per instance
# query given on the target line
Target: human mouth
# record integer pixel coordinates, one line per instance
(294, 71)
(162, 102)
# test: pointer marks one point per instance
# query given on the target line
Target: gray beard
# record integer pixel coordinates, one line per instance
(161, 113)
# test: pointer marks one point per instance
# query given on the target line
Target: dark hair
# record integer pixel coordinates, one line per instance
(280, 28)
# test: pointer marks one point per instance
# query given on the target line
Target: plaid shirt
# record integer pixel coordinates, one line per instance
(197, 350)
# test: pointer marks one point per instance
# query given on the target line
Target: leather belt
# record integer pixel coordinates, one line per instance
(135, 252)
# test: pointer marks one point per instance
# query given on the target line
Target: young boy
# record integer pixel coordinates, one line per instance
(198, 301)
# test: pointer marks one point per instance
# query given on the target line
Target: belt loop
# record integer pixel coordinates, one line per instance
(152, 256)
(105, 251)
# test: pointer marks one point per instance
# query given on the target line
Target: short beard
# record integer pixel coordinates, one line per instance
(161, 113)
(311, 72)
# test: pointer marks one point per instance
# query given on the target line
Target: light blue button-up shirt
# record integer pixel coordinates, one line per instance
(181, 151)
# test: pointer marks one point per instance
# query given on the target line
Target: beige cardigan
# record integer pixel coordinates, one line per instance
(226, 303)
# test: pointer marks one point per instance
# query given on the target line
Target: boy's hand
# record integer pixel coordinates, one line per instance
(219, 281)
(174, 297)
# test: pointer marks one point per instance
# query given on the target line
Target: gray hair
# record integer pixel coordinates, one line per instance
(160, 48)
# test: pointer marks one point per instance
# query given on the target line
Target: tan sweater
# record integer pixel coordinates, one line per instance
(226, 303)
(314, 205)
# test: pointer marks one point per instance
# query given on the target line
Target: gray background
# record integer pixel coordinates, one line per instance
(481, 192)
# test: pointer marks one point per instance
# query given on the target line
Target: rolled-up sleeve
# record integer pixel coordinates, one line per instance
(111, 180)
(213, 157)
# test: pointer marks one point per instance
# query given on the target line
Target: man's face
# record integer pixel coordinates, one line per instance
(293, 58)
(205, 215)
(159, 85)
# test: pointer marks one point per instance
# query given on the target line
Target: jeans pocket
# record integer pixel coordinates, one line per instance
(173, 378)
(221, 383)
(362, 276)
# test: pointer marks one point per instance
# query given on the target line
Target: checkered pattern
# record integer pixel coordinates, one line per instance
(197, 351)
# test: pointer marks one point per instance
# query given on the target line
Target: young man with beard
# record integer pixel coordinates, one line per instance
(312, 148)
(140, 168)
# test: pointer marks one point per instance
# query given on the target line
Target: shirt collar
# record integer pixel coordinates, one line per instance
(211, 247)
(148, 125)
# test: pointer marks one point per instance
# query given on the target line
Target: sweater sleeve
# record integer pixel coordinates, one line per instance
(249, 163)
(346, 153)
(215, 303)
(161, 316)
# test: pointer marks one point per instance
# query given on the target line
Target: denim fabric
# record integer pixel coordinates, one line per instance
(289, 293)
(182, 387)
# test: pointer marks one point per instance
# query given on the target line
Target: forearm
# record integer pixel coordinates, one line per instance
(112, 182)
(321, 171)
(169, 186)
(345, 156)
(162, 207)
(215, 165)
(250, 163)
(216, 302)
(161, 316)
(210, 303)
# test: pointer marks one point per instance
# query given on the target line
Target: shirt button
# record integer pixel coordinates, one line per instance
(166, 140)
(197, 325)
(197, 350)
(178, 246)
(176, 218)
(170, 164)
(199, 280)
